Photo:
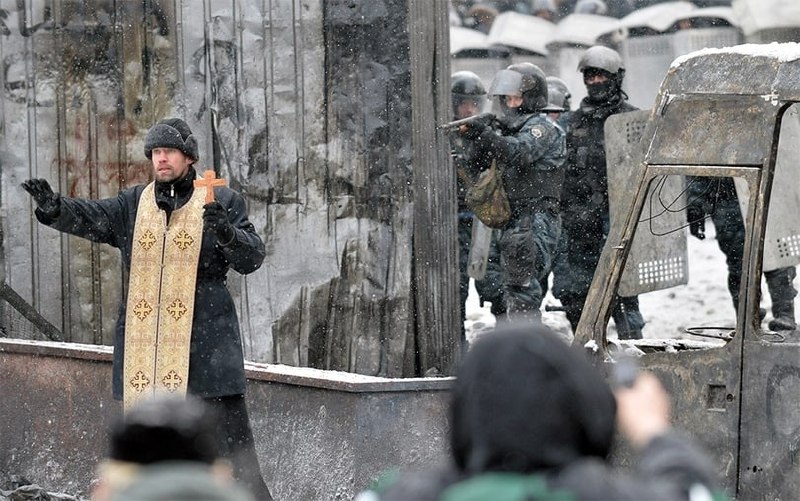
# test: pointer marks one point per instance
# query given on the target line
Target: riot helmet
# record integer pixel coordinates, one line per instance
(596, 7)
(560, 86)
(555, 100)
(467, 94)
(545, 9)
(525, 80)
(600, 60)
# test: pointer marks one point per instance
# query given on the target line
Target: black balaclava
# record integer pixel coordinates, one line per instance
(525, 401)
(600, 93)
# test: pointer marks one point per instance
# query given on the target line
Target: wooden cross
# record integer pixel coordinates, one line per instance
(209, 180)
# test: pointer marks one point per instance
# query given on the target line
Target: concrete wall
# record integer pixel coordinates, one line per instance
(319, 434)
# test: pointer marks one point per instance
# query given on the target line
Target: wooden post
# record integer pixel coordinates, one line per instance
(395, 306)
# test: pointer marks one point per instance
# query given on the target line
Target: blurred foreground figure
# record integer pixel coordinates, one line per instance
(531, 419)
(165, 449)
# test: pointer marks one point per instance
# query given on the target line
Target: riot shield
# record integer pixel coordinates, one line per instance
(782, 235)
(479, 249)
(647, 60)
(653, 264)
(572, 36)
(565, 60)
(465, 39)
(528, 33)
(758, 16)
(470, 51)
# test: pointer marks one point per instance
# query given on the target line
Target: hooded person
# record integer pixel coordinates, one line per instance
(177, 328)
(531, 418)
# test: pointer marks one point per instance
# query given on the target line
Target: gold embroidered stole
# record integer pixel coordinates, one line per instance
(161, 289)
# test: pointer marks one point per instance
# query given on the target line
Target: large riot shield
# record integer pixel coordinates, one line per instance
(564, 59)
(782, 235)
(647, 58)
(479, 249)
(686, 41)
(653, 264)
(570, 39)
(520, 31)
(757, 17)
(647, 50)
(470, 51)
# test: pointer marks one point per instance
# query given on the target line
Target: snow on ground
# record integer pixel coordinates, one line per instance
(665, 311)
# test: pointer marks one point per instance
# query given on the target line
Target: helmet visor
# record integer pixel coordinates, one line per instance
(506, 83)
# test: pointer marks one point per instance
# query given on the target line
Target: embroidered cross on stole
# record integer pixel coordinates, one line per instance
(161, 289)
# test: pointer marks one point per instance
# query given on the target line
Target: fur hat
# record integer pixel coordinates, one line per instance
(171, 133)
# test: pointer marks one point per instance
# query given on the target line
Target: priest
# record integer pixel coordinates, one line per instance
(177, 330)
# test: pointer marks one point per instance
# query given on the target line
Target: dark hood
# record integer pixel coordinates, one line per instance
(525, 401)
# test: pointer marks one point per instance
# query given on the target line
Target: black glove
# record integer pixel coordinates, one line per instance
(474, 129)
(215, 218)
(48, 202)
(477, 126)
(697, 221)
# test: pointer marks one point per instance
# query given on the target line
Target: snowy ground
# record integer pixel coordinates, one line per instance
(665, 311)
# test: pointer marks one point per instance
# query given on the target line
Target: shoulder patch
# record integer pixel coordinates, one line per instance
(537, 131)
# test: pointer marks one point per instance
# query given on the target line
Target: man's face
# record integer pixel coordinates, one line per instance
(592, 76)
(467, 108)
(511, 101)
(169, 164)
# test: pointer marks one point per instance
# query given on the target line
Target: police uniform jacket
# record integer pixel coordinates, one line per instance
(531, 152)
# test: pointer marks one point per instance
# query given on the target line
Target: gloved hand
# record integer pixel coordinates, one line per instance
(491, 144)
(697, 221)
(46, 200)
(477, 126)
(472, 130)
(215, 218)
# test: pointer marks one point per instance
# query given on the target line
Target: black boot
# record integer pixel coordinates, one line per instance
(783, 313)
(628, 319)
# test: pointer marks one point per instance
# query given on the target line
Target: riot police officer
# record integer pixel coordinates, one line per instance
(584, 202)
(529, 150)
(468, 97)
(560, 96)
(715, 197)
